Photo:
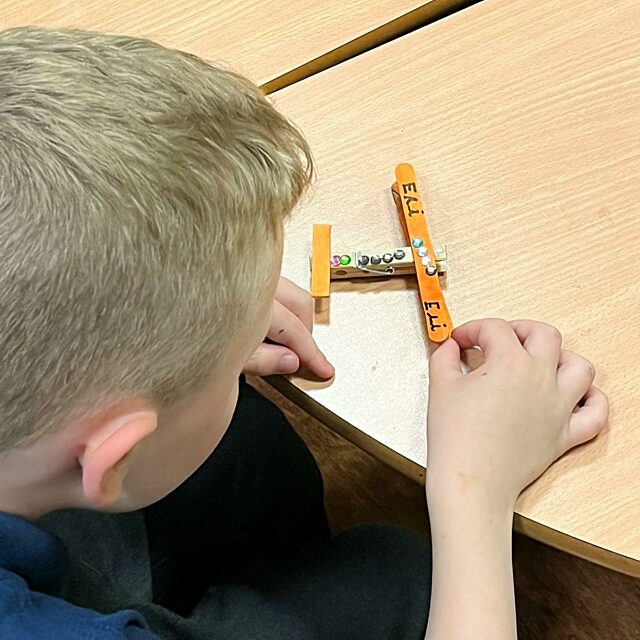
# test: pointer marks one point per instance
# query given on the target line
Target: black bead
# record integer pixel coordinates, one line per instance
(363, 261)
(387, 257)
(375, 260)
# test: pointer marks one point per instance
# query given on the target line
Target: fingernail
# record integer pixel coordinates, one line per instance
(288, 363)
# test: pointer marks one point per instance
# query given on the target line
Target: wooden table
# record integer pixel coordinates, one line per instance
(522, 120)
(270, 41)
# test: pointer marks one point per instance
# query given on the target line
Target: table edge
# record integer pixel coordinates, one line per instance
(522, 524)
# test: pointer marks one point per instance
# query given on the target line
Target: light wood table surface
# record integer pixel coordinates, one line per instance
(263, 39)
(522, 120)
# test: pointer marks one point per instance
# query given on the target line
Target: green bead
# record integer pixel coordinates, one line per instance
(345, 260)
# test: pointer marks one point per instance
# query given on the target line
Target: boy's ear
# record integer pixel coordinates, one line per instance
(104, 459)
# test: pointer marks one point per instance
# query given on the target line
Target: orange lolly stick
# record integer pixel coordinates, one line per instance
(439, 325)
(320, 261)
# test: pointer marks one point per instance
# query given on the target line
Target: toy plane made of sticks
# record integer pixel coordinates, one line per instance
(420, 257)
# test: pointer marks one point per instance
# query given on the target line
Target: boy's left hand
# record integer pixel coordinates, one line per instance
(290, 330)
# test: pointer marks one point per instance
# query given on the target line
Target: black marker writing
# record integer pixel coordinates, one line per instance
(433, 325)
(433, 317)
(409, 200)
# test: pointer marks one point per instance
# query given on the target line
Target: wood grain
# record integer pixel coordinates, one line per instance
(522, 121)
(263, 39)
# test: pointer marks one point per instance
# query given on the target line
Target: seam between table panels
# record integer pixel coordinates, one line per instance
(402, 25)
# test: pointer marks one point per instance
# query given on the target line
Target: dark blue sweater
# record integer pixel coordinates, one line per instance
(33, 567)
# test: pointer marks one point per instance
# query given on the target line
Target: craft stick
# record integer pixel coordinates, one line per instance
(320, 261)
(439, 325)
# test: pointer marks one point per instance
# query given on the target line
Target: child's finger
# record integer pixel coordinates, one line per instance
(540, 340)
(272, 359)
(575, 376)
(589, 420)
(297, 300)
(444, 362)
(494, 336)
(288, 330)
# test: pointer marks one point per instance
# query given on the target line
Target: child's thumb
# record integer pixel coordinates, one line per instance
(444, 360)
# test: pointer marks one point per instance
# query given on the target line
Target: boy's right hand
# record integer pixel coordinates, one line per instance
(495, 430)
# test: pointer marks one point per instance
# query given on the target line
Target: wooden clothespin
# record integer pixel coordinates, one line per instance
(421, 257)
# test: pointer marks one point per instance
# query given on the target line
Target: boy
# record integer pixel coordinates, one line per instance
(142, 199)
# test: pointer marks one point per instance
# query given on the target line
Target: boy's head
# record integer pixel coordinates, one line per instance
(142, 193)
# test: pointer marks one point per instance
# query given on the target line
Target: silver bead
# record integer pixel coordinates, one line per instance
(432, 270)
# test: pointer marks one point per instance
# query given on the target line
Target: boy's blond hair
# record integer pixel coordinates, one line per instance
(141, 191)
